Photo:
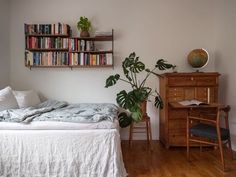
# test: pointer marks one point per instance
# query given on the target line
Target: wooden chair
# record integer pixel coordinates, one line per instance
(141, 129)
(205, 129)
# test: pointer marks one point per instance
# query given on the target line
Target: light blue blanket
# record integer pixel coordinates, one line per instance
(52, 110)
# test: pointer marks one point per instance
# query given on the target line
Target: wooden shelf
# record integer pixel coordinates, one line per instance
(90, 66)
(88, 54)
(46, 50)
(95, 52)
(47, 35)
(96, 38)
(46, 66)
(69, 66)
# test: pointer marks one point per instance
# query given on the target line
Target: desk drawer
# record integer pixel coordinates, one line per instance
(182, 81)
(178, 114)
(206, 81)
(177, 140)
(178, 124)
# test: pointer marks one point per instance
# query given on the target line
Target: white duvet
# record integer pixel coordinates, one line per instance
(53, 125)
(61, 153)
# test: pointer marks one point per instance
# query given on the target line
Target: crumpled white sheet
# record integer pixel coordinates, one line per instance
(61, 153)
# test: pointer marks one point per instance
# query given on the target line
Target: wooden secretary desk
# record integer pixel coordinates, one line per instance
(176, 87)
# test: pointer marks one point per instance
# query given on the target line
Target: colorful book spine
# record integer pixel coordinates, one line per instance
(47, 58)
(59, 28)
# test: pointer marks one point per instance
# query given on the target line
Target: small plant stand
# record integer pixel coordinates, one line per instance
(143, 127)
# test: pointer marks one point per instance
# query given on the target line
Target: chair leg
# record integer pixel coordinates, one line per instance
(131, 134)
(230, 149)
(187, 139)
(220, 147)
(222, 156)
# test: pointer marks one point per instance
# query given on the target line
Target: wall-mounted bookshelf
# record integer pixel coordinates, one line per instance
(50, 46)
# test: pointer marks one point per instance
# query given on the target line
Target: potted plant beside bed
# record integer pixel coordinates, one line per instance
(83, 26)
(133, 100)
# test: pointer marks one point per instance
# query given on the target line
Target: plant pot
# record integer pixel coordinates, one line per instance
(84, 34)
(144, 108)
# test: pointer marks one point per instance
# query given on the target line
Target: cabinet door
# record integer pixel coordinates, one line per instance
(202, 94)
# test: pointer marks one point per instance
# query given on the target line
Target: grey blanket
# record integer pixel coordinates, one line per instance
(52, 110)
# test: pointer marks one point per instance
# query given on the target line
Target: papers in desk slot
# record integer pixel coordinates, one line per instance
(192, 103)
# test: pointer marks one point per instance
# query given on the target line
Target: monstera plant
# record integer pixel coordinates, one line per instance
(131, 101)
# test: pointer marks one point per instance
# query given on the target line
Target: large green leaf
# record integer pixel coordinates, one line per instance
(132, 55)
(158, 102)
(125, 65)
(162, 65)
(112, 80)
(137, 66)
(125, 100)
(124, 119)
(132, 64)
(136, 113)
(127, 62)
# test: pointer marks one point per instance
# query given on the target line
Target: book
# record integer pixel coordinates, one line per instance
(192, 103)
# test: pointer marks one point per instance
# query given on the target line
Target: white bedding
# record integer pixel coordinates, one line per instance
(53, 125)
(61, 153)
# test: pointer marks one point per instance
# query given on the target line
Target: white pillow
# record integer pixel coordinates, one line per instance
(7, 99)
(27, 98)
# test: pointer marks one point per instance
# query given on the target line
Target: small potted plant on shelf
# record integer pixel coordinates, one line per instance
(84, 26)
(133, 102)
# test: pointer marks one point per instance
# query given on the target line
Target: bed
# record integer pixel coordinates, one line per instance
(55, 139)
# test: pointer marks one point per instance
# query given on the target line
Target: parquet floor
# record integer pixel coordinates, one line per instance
(161, 162)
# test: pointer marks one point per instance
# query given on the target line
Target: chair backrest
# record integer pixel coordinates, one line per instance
(223, 112)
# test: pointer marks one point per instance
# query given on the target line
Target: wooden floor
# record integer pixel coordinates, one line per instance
(160, 162)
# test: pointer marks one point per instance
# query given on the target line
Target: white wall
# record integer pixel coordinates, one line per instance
(154, 29)
(4, 43)
(225, 58)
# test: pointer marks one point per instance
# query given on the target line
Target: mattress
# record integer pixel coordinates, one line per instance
(61, 153)
(54, 125)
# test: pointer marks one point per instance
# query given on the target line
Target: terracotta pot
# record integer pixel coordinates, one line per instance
(84, 34)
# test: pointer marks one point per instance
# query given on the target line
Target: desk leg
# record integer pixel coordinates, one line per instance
(187, 140)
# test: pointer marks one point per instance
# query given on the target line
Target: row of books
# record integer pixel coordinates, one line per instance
(46, 43)
(63, 58)
(58, 28)
(47, 58)
(90, 59)
(81, 45)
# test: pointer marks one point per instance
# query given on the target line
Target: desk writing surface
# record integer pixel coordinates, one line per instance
(177, 105)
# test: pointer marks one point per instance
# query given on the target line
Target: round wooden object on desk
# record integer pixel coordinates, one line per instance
(141, 129)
